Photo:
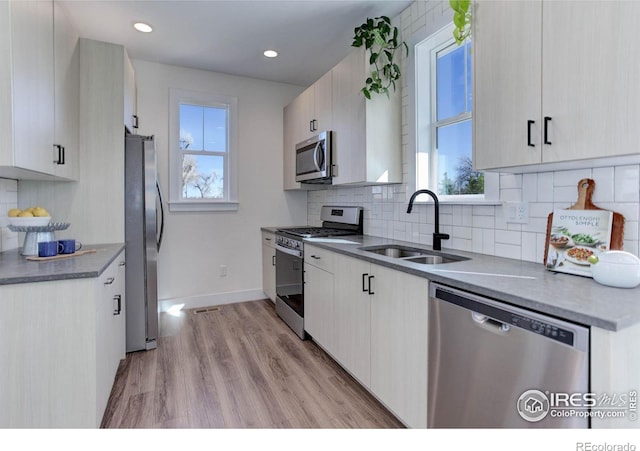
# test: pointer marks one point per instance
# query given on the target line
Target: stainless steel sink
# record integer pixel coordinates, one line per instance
(414, 255)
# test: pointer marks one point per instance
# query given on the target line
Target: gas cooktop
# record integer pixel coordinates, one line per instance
(315, 232)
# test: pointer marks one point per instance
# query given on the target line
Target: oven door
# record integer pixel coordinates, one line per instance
(289, 278)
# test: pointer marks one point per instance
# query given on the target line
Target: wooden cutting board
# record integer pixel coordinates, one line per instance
(59, 256)
(585, 194)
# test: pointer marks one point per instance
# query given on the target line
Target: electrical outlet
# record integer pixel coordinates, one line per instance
(516, 212)
(223, 270)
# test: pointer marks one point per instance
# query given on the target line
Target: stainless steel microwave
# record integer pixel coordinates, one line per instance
(313, 159)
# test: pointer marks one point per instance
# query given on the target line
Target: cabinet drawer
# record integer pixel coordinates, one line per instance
(320, 258)
(269, 239)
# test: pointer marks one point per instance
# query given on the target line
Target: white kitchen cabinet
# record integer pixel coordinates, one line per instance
(399, 343)
(575, 78)
(62, 342)
(373, 321)
(269, 265)
(353, 316)
(307, 115)
(130, 97)
(367, 134)
(66, 95)
(319, 301)
(31, 38)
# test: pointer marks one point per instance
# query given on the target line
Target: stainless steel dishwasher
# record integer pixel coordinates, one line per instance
(498, 366)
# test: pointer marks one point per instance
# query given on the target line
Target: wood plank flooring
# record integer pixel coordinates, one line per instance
(238, 366)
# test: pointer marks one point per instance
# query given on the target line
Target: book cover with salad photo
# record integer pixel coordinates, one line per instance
(577, 238)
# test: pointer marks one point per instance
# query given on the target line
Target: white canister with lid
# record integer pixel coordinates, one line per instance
(618, 269)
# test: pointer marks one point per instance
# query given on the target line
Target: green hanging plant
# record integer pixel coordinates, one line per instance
(381, 39)
(461, 19)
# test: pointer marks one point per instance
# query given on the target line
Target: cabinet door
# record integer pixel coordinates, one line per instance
(120, 310)
(130, 96)
(353, 316)
(290, 118)
(33, 103)
(590, 79)
(269, 271)
(507, 83)
(66, 94)
(322, 112)
(319, 316)
(399, 344)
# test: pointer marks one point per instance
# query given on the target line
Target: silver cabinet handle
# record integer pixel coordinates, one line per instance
(315, 257)
(109, 281)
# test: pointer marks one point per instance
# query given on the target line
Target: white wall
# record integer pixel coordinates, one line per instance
(196, 244)
(483, 229)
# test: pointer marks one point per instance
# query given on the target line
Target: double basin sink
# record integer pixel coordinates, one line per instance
(414, 255)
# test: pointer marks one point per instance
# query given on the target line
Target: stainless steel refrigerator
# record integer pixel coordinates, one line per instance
(144, 225)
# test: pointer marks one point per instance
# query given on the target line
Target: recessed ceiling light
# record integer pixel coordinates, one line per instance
(143, 27)
(270, 53)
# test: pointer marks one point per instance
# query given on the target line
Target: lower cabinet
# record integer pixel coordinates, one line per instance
(269, 265)
(373, 321)
(399, 343)
(60, 346)
(319, 300)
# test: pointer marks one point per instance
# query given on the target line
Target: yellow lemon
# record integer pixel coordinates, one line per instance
(40, 212)
(593, 259)
(14, 212)
(25, 214)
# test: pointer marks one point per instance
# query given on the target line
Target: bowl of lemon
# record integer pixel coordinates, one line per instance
(29, 217)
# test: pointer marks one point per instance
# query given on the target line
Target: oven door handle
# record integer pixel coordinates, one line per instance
(288, 251)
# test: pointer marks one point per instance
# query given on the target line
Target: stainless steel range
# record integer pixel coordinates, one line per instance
(336, 221)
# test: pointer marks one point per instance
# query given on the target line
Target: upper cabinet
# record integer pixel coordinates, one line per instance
(66, 95)
(556, 89)
(367, 137)
(130, 97)
(38, 85)
(309, 114)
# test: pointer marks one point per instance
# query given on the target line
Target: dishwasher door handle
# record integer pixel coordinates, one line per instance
(490, 324)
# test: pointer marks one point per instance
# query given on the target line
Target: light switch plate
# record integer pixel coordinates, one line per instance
(516, 212)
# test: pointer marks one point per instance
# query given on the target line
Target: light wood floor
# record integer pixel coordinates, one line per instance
(238, 366)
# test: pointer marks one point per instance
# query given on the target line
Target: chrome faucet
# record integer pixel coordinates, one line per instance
(437, 236)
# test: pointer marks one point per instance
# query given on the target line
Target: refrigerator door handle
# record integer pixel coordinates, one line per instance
(161, 216)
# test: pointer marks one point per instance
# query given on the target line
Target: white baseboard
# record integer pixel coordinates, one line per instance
(208, 300)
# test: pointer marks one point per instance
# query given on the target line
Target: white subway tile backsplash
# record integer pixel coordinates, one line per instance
(511, 195)
(508, 251)
(508, 181)
(540, 209)
(565, 194)
(627, 183)
(545, 187)
(483, 222)
(529, 246)
(604, 178)
(570, 178)
(530, 187)
(508, 237)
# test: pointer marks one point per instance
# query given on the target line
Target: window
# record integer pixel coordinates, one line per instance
(202, 151)
(443, 119)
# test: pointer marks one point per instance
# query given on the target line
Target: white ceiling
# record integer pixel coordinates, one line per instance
(229, 36)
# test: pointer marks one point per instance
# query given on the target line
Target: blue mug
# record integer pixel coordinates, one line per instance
(69, 246)
(48, 248)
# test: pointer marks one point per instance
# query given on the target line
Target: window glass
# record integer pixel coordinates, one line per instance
(444, 140)
(202, 177)
(203, 131)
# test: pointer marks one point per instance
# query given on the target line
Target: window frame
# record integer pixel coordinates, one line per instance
(229, 202)
(427, 44)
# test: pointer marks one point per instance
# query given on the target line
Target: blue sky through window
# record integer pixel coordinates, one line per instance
(202, 130)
